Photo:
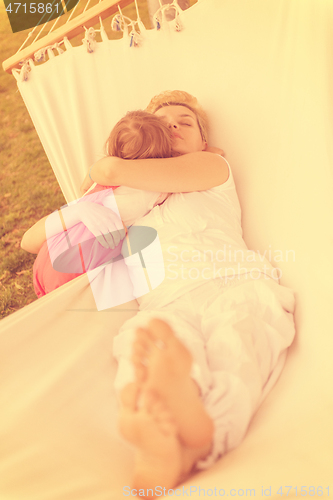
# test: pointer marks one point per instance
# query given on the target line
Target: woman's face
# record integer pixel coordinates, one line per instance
(183, 124)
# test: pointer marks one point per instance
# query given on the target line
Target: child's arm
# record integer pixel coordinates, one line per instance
(105, 225)
(34, 238)
(197, 171)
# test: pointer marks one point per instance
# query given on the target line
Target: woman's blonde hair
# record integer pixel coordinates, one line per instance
(181, 98)
(139, 135)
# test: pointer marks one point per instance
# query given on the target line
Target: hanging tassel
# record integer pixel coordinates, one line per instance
(57, 47)
(40, 55)
(25, 69)
(135, 38)
(141, 27)
(89, 40)
(122, 23)
(160, 16)
(178, 24)
(103, 33)
(67, 43)
(50, 53)
(177, 21)
(157, 23)
(116, 24)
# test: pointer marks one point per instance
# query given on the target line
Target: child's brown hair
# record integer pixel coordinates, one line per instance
(139, 135)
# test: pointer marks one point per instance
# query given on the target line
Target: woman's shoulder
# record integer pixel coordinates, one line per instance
(229, 183)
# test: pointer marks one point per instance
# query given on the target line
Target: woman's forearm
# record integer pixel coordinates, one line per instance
(106, 170)
(190, 172)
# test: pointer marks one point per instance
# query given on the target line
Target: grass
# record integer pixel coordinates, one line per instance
(28, 187)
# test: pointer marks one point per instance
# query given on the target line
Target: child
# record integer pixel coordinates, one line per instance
(73, 249)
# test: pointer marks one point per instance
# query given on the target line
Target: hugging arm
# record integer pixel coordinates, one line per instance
(105, 225)
(196, 171)
(101, 220)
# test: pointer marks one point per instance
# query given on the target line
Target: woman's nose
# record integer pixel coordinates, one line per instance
(173, 125)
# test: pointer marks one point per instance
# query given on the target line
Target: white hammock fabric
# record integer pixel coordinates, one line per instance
(261, 70)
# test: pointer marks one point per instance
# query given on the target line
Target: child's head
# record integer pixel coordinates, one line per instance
(139, 135)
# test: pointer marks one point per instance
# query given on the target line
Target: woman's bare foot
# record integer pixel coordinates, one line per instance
(146, 423)
(163, 366)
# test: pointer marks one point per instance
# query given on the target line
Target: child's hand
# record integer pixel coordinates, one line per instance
(102, 222)
(217, 151)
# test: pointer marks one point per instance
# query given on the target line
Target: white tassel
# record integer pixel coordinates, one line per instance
(24, 72)
(67, 43)
(89, 40)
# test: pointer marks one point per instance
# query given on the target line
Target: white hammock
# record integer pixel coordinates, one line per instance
(261, 70)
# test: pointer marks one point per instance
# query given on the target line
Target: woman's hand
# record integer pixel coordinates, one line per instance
(86, 184)
(109, 164)
(102, 222)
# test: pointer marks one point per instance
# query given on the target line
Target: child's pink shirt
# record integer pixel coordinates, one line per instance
(71, 253)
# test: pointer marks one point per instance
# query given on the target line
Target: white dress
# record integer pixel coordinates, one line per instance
(222, 302)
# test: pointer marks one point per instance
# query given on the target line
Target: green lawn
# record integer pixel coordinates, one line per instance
(28, 187)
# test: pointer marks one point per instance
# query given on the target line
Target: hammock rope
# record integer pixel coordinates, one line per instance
(69, 27)
(134, 30)
(160, 19)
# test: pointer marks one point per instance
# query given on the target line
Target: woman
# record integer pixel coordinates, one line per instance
(209, 342)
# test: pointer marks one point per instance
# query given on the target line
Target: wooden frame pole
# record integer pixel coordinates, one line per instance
(74, 27)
